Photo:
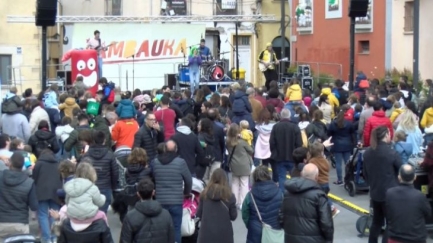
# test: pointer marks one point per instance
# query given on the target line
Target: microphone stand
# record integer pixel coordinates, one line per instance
(133, 69)
(184, 55)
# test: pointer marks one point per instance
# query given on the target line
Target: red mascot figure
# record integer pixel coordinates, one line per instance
(84, 63)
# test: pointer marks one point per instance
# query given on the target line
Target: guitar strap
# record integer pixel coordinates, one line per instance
(99, 44)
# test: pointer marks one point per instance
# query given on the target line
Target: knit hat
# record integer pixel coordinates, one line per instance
(307, 101)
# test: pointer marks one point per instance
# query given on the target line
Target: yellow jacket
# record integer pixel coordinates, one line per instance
(294, 93)
(427, 118)
(395, 113)
(247, 136)
(333, 101)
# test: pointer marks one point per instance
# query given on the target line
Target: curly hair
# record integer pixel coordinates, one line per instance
(138, 156)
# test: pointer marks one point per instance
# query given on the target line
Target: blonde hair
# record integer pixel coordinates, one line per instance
(408, 121)
(85, 170)
(397, 105)
(400, 136)
(244, 124)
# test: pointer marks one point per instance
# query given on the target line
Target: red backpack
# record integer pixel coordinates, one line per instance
(112, 93)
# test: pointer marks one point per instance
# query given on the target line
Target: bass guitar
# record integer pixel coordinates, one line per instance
(265, 66)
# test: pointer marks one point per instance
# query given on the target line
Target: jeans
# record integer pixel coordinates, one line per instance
(273, 165)
(282, 168)
(379, 218)
(44, 219)
(100, 62)
(240, 188)
(326, 189)
(340, 159)
(194, 80)
(176, 213)
(108, 194)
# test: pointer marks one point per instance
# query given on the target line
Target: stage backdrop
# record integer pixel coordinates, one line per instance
(144, 51)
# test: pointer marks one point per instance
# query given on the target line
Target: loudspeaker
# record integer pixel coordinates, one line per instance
(46, 12)
(307, 83)
(358, 8)
(170, 80)
(304, 70)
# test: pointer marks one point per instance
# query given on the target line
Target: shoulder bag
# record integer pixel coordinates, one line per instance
(226, 166)
(269, 235)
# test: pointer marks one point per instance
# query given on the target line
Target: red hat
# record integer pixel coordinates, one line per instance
(307, 101)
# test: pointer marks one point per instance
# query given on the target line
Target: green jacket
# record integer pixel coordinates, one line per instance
(101, 124)
(72, 144)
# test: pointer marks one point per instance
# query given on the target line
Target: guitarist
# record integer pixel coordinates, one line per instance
(97, 44)
(266, 57)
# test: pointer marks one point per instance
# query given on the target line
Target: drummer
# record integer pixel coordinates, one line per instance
(204, 51)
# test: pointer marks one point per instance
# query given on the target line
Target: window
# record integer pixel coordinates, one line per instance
(5, 69)
(408, 16)
(174, 7)
(242, 40)
(364, 47)
(226, 7)
(113, 7)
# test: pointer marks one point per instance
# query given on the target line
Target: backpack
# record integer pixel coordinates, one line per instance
(209, 155)
(188, 108)
(112, 94)
(40, 146)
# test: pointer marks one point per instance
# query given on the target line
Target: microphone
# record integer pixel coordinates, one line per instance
(181, 49)
(133, 55)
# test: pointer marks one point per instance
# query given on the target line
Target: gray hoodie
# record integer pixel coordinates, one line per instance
(82, 198)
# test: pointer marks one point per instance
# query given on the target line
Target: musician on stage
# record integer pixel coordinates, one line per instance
(266, 57)
(204, 50)
(194, 62)
(97, 44)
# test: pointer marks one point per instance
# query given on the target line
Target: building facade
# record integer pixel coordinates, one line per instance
(320, 37)
(402, 36)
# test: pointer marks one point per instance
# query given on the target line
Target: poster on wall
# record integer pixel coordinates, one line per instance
(304, 16)
(367, 21)
(333, 9)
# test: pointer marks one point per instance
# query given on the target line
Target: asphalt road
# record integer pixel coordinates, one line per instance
(344, 222)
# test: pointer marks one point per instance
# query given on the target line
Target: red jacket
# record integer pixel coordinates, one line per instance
(377, 119)
(124, 131)
(349, 115)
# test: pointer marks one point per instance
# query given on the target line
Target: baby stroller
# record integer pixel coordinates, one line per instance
(122, 154)
(23, 238)
(190, 222)
(354, 179)
(119, 204)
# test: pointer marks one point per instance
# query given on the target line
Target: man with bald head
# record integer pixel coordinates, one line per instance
(173, 182)
(255, 104)
(305, 213)
(407, 209)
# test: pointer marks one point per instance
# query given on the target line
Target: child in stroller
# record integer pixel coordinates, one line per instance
(190, 206)
(354, 179)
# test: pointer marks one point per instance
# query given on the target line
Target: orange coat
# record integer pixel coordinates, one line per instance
(124, 131)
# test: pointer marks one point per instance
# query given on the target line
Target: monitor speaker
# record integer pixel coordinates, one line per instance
(46, 12)
(358, 8)
(170, 80)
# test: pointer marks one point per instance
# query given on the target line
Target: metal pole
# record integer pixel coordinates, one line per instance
(44, 58)
(352, 53)
(415, 67)
(236, 51)
(283, 37)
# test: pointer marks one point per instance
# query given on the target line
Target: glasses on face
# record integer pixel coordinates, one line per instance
(151, 119)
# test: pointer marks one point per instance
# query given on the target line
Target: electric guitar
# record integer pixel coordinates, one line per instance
(101, 48)
(265, 66)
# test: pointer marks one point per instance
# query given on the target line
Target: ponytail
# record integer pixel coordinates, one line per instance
(377, 135)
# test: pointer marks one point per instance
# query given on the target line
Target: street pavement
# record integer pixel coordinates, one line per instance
(344, 223)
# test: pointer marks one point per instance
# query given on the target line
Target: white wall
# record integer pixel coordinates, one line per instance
(402, 44)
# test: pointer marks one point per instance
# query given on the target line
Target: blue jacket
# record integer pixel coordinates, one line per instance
(414, 138)
(359, 77)
(342, 137)
(55, 119)
(242, 109)
(204, 51)
(268, 198)
(194, 63)
(50, 100)
(126, 109)
(404, 149)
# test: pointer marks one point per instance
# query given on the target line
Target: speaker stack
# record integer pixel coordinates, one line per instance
(358, 8)
(46, 12)
(304, 74)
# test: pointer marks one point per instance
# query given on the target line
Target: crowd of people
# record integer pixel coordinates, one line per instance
(263, 153)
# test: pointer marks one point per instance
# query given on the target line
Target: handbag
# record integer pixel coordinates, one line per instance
(226, 166)
(269, 235)
(188, 223)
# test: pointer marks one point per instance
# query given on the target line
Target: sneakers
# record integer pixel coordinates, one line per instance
(338, 183)
(335, 212)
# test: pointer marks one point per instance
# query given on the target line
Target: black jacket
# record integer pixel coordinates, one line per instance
(72, 144)
(105, 165)
(102, 124)
(17, 195)
(148, 139)
(219, 135)
(305, 213)
(47, 177)
(136, 172)
(42, 140)
(148, 222)
(407, 211)
(343, 96)
(98, 232)
(381, 167)
(285, 137)
(188, 147)
(317, 130)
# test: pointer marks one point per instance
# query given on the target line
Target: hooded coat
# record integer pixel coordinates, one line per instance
(126, 109)
(427, 118)
(43, 139)
(105, 165)
(405, 150)
(262, 148)
(83, 198)
(11, 104)
(242, 109)
(148, 222)
(68, 106)
(294, 93)
(377, 119)
(305, 213)
(47, 177)
(216, 216)
(98, 231)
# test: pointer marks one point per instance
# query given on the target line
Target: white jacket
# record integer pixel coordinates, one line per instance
(38, 114)
(63, 132)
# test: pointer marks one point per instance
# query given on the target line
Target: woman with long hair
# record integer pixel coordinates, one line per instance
(409, 125)
(239, 161)
(208, 143)
(326, 108)
(381, 165)
(262, 147)
(225, 109)
(343, 136)
(198, 100)
(217, 208)
(317, 129)
(215, 100)
(264, 199)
